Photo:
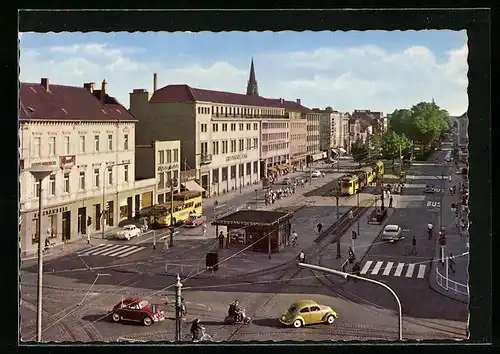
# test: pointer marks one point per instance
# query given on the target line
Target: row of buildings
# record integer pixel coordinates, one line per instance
(110, 162)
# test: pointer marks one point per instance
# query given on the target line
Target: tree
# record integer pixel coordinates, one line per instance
(392, 145)
(359, 151)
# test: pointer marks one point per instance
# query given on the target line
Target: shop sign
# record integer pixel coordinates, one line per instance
(52, 211)
(236, 157)
(162, 168)
(44, 163)
(68, 161)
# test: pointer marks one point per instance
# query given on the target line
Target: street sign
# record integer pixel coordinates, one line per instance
(433, 204)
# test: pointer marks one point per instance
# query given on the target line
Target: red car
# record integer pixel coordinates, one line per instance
(194, 220)
(138, 310)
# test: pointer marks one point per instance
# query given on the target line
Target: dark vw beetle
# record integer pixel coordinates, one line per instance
(137, 310)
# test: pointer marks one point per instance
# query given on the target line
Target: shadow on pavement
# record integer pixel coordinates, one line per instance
(212, 323)
(97, 317)
(268, 322)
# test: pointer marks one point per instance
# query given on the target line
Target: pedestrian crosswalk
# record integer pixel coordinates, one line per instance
(378, 268)
(111, 250)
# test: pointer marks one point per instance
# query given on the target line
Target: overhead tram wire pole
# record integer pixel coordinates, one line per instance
(338, 218)
(39, 172)
(173, 182)
(345, 275)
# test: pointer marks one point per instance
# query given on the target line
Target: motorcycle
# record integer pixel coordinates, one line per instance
(239, 318)
(204, 336)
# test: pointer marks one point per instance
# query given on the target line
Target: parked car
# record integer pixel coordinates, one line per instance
(316, 174)
(429, 189)
(194, 220)
(137, 310)
(392, 233)
(308, 312)
(127, 232)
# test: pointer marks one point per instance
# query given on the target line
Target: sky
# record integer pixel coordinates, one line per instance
(375, 70)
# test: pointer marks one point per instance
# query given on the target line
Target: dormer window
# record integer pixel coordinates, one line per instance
(31, 109)
(118, 111)
(103, 111)
(65, 112)
(32, 89)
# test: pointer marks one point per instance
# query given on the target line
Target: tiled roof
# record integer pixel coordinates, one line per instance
(252, 217)
(68, 103)
(185, 93)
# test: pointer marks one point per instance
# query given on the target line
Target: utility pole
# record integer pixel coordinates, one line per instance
(310, 173)
(103, 201)
(173, 184)
(178, 289)
(154, 239)
(441, 203)
(338, 218)
(357, 192)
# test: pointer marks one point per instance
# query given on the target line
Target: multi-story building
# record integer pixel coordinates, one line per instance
(313, 151)
(220, 132)
(275, 142)
(375, 120)
(160, 160)
(344, 142)
(330, 130)
(298, 133)
(88, 137)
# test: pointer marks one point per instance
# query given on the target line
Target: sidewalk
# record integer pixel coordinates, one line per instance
(456, 244)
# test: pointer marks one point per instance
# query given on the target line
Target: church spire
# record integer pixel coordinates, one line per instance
(252, 88)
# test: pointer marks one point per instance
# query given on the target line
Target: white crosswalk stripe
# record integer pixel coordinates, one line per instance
(112, 250)
(396, 270)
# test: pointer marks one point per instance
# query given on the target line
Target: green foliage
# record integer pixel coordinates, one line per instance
(359, 151)
(424, 122)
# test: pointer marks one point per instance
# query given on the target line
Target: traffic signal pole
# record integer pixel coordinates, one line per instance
(338, 218)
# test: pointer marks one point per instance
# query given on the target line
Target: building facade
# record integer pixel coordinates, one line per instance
(298, 140)
(159, 160)
(313, 142)
(88, 137)
(220, 132)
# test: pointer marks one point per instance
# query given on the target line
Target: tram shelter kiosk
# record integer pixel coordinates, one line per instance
(266, 231)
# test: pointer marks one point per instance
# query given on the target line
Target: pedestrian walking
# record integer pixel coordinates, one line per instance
(451, 263)
(221, 240)
(302, 257)
(414, 246)
(294, 239)
(165, 244)
(449, 178)
(390, 202)
(88, 238)
(204, 229)
(320, 227)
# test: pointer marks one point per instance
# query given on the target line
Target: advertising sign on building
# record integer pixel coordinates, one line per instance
(68, 161)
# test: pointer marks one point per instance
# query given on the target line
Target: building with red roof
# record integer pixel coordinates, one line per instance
(87, 137)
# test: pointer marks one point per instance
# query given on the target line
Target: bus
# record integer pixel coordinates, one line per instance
(184, 204)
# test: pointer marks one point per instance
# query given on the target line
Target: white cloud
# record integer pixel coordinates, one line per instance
(362, 77)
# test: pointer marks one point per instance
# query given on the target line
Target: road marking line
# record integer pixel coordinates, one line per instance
(366, 267)
(129, 248)
(409, 272)
(399, 269)
(377, 267)
(104, 250)
(131, 252)
(388, 268)
(86, 252)
(421, 271)
(114, 250)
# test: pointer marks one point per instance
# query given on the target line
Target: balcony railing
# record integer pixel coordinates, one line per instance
(205, 158)
(246, 116)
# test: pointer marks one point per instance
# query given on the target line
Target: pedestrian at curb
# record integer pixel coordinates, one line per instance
(320, 227)
(221, 240)
(165, 244)
(302, 257)
(449, 178)
(294, 238)
(88, 238)
(390, 202)
(451, 263)
(204, 229)
(414, 246)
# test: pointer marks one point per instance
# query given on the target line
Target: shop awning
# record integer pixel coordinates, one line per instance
(193, 186)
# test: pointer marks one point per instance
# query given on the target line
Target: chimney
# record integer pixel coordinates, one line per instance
(103, 90)
(282, 100)
(89, 86)
(298, 101)
(155, 81)
(45, 83)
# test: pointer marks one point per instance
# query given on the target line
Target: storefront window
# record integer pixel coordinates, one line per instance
(34, 228)
(53, 226)
(123, 211)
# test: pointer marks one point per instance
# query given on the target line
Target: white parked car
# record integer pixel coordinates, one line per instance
(316, 174)
(127, 232)
(392, 233)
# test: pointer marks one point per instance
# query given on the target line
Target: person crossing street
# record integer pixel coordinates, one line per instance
(413, 246)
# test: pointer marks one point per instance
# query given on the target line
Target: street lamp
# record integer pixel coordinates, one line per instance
(173, 183)
(40, 172)
(345, 275)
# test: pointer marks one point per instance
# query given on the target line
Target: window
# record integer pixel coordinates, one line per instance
(82, 143)
(37, 190)
(304, 310)
(215, 147)
(52, 185)
(176, 174)
(52, 146)
(96, 143)
(160, 196)
(255, 142)
(204, 128)
(224, 127)
(176, 155)
(249, 126)
(255, 126)
(241, 167)
(249, 168)
(66, 145)
(249, 143)
(110, 175)
(161, 156)
(233, 127)
(242, 126)
(215, 127)
(81, 184)
(233, 145)
(125, 173)
(215, 176)
(233, 172)
(110, 142)
(161, 183)
(255, 167)
(169, 156)
(96, 177)
(125, 142)
(36, 147)
(204, 148)
(242, 144)
(66, 182)
(224, 147)
(224, 174)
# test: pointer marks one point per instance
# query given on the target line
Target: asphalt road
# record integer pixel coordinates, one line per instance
(410, 283)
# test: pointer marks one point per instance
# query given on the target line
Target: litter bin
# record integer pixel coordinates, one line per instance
(212, 260)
